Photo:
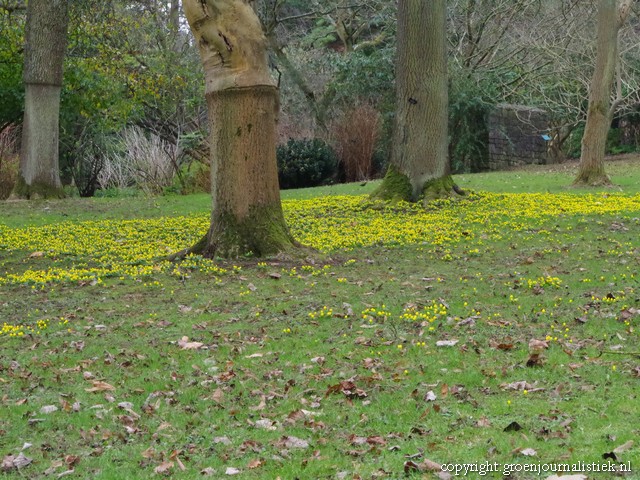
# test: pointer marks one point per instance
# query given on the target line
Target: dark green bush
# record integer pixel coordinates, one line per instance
(305, 163)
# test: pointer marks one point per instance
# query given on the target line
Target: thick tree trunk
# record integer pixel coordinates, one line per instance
(46, 39)
(419, 164)
(242, 101)
(599, 115)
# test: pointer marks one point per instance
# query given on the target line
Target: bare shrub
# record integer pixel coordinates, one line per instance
(9, 159)
(141, 159)
(355, 135)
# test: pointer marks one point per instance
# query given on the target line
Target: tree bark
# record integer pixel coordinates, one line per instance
(242, 101)
(45, 45)
(611, 17)
(419, 163)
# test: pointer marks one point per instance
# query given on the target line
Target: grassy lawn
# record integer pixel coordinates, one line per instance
(502, 328)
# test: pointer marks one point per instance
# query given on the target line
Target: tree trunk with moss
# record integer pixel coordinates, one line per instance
(45, 45)
(242, 102)
(419, 164)
(611, 17)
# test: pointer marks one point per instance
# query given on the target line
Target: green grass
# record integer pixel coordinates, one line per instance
(274, 366)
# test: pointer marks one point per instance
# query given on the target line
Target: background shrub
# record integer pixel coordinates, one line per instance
(9, 160)
(355, 137)
(305, 163)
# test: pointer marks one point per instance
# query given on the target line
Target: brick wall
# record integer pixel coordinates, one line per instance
(515, 136)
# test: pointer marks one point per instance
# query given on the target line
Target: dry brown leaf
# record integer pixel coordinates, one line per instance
(293, 442)
(537, 346)
(149, 453)
(48, 409)
(164, 468)
(185, 344)
(10, 462)
(528, 452)
(265, 424)
(624, 447)
(100, 386)
(255, 463)
(218, 395)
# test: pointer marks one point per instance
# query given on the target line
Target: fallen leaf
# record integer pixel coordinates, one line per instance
(446, 343)
(347, 388)
(537, 346)
(148, 453)
(36, 255)
(535, 360)
(483, 422)
(231, 471)
(207, 471)
(265, 424)
(48, 409)
(430, 396)
(528, 452)
(185, 344)
(10, 461)
(425, 466)
(624, 447)
(222, 440)
(100, 386)
(164, 468)
(255, 463)
(71, 460)
(293, 442)
(218, 395)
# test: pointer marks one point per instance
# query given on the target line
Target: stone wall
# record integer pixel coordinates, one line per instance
(516, 136)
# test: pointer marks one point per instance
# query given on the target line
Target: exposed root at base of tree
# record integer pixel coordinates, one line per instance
(397, 187)
(592, 180)
(35, 191)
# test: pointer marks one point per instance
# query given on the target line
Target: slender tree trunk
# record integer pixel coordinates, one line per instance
(242, 101)
(419, 163)
(46, 39)
(611, 17)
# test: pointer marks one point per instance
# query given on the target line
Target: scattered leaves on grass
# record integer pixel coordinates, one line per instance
(348, 389)
(11, 462)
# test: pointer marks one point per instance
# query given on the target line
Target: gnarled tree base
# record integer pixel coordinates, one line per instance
(35, 191)
(396, 187)
(263, 232)
(592, 180)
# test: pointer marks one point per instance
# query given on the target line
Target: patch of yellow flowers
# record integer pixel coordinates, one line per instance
(93, 250)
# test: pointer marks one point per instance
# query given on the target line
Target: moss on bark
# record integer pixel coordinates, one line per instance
(263, 232)
(395, 187)
(443, 187)
(36, 190)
